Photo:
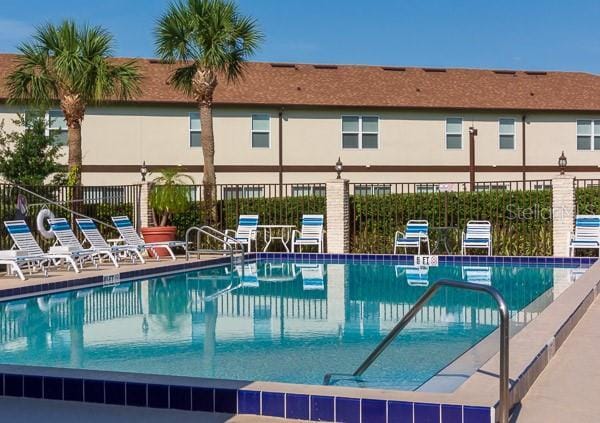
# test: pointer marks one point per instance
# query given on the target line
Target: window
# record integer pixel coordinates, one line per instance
(195, 130)
(308, 191)
(232, 193)
(454, 133)
(372, 189)
(360, 132)
(427, 188)
(261, 131)
(98, 195)
(588, 134)
(490, 186)
(543, 185)
(507, 134)
(57, 126)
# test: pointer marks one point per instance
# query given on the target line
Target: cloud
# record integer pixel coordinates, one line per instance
(13, 32)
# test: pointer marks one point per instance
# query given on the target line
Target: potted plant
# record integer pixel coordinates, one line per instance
(168, 196)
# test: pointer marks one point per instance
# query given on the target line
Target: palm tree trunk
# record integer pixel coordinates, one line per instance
(74, 143)
(209, 179)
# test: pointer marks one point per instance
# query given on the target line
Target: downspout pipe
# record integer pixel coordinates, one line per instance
(524, 138)
(281, 151)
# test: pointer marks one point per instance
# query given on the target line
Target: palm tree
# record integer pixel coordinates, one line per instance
(71, 64)
(208, 39)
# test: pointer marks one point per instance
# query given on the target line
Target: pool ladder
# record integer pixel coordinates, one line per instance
(231, 245)
(504, 405)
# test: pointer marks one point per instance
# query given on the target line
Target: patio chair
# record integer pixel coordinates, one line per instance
(96, 240)
(245, 233)
(131, 238)
(33, 253)
(477, 274)
(477, 234)
(587, 233)
(311, 232)
(69, 242)
(415, 234)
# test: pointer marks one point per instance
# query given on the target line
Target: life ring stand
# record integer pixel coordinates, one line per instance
(44, 214)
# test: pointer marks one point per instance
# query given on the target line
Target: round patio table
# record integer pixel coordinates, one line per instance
(441, 240)
(280, 233)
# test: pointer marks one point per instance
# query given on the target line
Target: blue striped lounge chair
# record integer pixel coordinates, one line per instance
(67, 239)
(481, 275)
(33, 253)
(415, 234)
(311, 232)
(587, 233)
(477, 234)
(245, 233)
(16, 260)
(96, 241)
(131, 238)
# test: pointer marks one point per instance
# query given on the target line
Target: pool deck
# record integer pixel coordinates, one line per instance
(567, 390)
(61, 274)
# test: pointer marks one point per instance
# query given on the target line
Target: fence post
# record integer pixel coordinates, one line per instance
(563, 211)
(146, 217)
(338, 216)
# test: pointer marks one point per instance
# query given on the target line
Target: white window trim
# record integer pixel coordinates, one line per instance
(446, 133)
(190, 130)
(593, 145)
(514, 134)
(360, 132)
(252, 130)
(48, 128)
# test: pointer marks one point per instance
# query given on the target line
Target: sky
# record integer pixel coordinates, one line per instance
(497, 34)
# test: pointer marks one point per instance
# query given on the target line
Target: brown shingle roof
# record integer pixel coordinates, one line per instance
(382, 87)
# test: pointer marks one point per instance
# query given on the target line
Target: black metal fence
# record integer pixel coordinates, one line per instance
(520, 213)
(587, 196)
(274, 204)
(98, 202)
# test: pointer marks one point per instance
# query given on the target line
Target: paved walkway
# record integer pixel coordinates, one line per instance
(568, 389)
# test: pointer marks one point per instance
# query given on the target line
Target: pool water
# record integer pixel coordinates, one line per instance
(273, 321)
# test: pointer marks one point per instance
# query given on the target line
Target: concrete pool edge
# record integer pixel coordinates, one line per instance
(473, 405)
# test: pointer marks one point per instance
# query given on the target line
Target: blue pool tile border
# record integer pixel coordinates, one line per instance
(236, 401)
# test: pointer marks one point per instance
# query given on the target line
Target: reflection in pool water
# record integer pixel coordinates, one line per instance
(276, 321)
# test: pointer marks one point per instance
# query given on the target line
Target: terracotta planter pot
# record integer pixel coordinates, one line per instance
(159, 234)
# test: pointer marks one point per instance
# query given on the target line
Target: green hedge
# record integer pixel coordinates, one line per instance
(521, 219)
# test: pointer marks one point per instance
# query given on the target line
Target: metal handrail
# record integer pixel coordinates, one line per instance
(209, 231)
(504, 338)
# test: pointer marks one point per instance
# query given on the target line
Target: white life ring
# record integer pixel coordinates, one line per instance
(41, 223)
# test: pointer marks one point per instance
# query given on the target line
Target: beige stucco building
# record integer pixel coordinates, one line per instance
(290, 123)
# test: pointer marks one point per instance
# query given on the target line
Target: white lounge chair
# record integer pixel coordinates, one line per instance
(67, 240)
(477, 274)
(311, 232)
(415, 234)
(16, 260)
(587, 233)
(33, 253)
(131, 238)
(245, 233)
(478, 234)
(96, 240)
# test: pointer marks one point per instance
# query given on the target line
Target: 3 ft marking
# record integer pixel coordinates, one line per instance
(426, 261)
(111, 280)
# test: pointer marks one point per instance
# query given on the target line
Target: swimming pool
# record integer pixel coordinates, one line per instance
(274, 320)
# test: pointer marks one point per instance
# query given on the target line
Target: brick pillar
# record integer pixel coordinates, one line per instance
(563, 212)
(146, 217)
(338, 216)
